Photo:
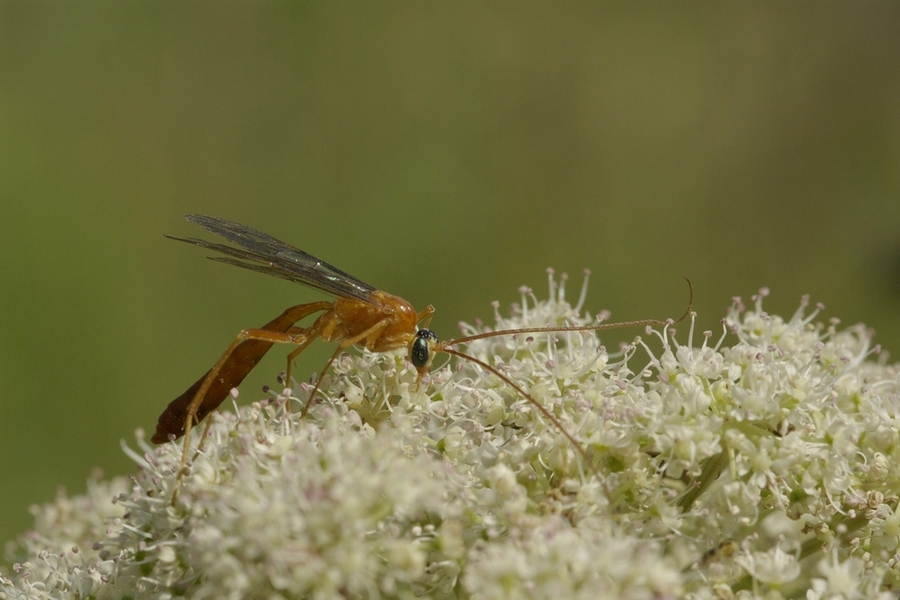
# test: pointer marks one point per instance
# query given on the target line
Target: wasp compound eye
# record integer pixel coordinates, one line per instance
(420, 351)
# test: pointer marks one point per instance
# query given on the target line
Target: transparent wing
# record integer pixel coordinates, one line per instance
(265, 254)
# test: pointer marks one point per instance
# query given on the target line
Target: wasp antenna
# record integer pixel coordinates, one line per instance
(690, 302)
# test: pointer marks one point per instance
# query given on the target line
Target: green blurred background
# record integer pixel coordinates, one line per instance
(445, 153)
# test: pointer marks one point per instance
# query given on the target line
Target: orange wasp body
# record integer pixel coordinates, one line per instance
(360, 314)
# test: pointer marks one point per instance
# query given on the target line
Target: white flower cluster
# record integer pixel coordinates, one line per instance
(764, 465)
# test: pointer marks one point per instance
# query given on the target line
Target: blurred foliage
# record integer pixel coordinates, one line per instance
(445, 153)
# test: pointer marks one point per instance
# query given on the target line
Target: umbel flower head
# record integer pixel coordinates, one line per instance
(759, 463)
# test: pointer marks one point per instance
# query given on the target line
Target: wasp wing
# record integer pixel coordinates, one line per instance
(266, 254)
